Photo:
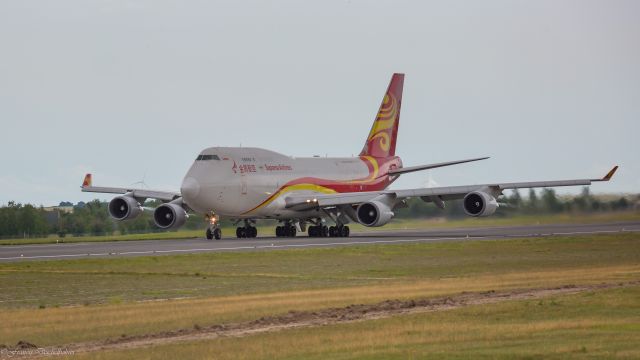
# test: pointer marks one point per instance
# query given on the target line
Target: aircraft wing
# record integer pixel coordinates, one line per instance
(137, 193)
(436, 194)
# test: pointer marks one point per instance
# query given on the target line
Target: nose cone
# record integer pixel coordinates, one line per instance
(190, 189)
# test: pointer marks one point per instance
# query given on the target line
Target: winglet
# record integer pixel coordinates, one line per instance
(610, 174)
(87, 181)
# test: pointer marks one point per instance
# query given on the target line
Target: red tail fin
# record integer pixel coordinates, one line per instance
(381, 141)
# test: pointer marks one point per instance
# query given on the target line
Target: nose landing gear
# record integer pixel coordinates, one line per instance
(213, 230)
(215, 233)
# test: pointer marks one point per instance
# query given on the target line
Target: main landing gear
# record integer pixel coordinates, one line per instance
(247, 231)
(331, 231)
(286, 230)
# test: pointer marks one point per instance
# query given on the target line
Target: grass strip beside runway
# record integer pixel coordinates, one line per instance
(94, 299)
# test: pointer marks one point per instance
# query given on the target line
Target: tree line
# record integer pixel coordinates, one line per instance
(92, 218)
(545, 201)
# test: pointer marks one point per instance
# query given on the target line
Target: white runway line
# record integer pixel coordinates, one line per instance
(50, 256)
(587, 232)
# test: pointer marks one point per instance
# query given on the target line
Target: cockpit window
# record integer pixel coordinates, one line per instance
(207, 157)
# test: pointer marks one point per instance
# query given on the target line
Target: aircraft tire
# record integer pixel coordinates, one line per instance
(344, 231)
(332, 231)
(279, 231)
(252, 232)
(291, 231)
(217, 234)
(324, 232)
(209, 234)
(241, 233)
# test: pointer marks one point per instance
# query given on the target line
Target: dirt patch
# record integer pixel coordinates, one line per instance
(355, 312)
(20, 345)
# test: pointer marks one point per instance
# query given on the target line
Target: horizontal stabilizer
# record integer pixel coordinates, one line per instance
(409, 169)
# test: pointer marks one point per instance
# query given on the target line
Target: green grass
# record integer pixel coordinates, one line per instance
(595, 325)
(92, 281)
(229, 232)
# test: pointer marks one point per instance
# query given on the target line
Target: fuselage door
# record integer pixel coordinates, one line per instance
(243, 184)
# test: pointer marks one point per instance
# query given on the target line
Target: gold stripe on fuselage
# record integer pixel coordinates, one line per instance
(320, 189)
(290, 188)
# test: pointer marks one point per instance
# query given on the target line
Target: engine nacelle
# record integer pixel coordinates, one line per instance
(169, 216)
(478, 203)
(124, 207)
(374, 213)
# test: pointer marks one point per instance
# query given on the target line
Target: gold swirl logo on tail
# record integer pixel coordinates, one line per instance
(384, 122)
(384, 141)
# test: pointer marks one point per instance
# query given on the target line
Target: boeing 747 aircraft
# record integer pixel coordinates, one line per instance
(304, 194)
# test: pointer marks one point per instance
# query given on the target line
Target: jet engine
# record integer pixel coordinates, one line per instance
(169, 216)
(374, 213)
(124, 207)
(478, 203)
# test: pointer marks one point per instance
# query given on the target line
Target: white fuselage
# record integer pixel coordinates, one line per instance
(253, 182)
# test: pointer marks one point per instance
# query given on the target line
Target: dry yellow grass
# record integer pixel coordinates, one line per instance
(599, 325)
(56, 326)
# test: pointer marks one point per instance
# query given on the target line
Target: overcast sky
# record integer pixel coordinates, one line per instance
(133, 89)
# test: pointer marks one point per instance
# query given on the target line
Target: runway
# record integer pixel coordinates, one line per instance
(189, 246)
